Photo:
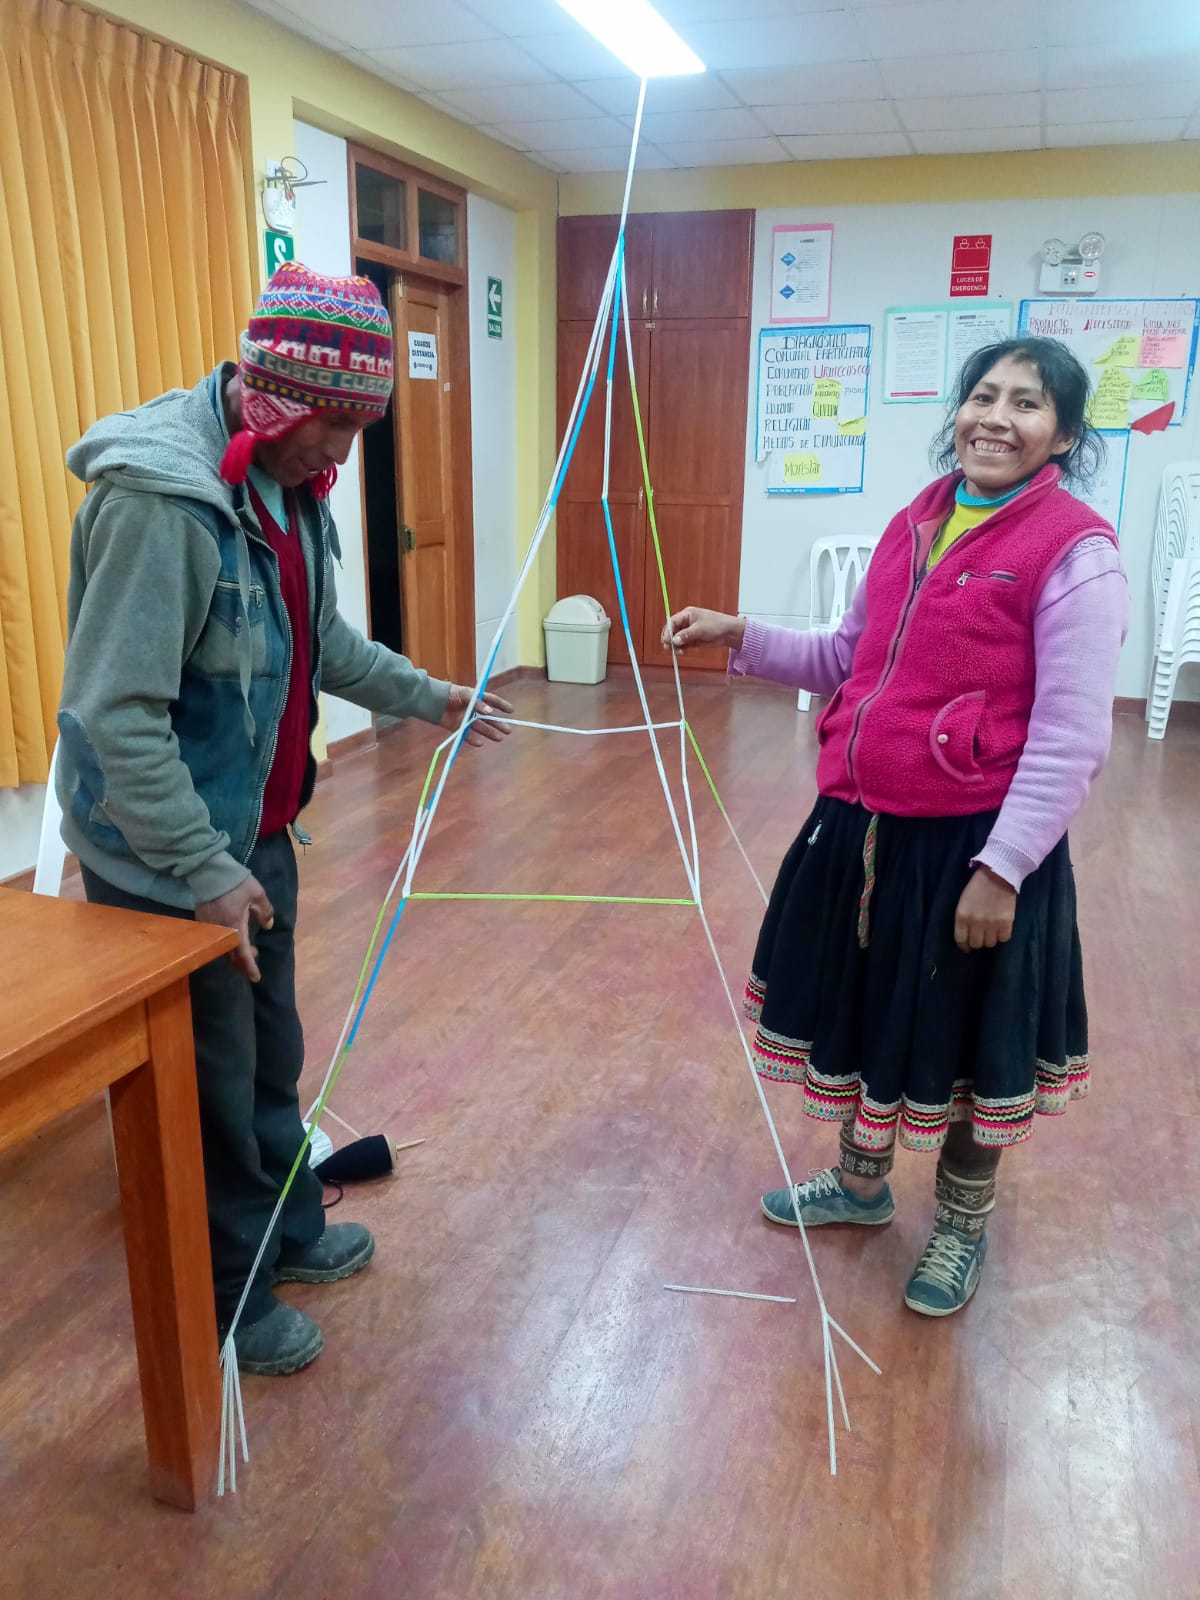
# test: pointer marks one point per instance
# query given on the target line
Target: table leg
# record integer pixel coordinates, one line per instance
(156, 1126)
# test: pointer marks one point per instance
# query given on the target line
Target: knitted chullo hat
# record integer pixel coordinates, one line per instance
(314, 345)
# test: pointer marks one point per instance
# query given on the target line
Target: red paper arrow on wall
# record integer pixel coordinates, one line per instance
(1154, 421)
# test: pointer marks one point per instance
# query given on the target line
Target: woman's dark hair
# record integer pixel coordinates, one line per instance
(1064, 381)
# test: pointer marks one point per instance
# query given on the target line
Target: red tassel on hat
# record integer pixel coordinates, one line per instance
(239, 455)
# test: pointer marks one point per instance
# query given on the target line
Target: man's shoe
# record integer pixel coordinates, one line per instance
(947, 1274)
(822, 1199)
(282, 1341)
(341, 1251)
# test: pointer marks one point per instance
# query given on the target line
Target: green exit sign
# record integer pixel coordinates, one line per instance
(495, 308)
(280, 247)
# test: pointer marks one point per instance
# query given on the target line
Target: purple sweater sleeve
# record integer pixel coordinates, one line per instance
(818, 661)
(1078, 631)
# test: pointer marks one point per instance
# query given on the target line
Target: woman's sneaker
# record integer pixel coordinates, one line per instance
(822, 1199)
(947, 1274)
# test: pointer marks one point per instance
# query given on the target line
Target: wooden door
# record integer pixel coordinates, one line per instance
(584, 559)
(701, 264)
(698, 378)
(585, 246)
(425, 488)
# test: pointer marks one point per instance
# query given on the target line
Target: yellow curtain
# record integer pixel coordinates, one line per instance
(125, 270)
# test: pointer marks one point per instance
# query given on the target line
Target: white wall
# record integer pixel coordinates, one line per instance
(323, 243)
(492, 253)
(20, 824)
(896, 255)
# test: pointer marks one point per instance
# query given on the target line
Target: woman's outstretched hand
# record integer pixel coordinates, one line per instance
(694, 626)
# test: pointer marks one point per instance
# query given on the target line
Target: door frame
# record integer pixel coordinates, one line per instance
(461, 643)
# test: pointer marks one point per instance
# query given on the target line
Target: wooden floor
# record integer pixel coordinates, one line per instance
(509, 1407)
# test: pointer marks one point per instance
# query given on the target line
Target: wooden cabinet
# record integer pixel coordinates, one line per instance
(585, 247)
(691, 361)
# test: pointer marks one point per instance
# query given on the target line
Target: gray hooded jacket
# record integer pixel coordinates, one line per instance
(179, 653)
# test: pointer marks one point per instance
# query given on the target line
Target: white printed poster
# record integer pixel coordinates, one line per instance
(812, 408)
(1139, 355)
(801, 272)
(422, 355)
(924, 347)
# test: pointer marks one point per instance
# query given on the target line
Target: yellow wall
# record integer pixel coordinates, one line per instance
(289, 77)
(1015, 175)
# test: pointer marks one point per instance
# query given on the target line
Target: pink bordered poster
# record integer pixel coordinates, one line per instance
(801, 272)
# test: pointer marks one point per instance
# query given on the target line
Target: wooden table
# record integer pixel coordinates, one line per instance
(96, 998)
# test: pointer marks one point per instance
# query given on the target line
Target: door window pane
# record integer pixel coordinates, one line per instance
(437, 219)
(380, 207)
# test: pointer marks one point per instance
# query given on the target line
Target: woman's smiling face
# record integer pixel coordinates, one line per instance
(1007, 429)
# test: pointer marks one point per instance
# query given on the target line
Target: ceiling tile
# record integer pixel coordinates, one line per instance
(1151, 131)
(997, 72)
(764, 42)
(484, 64)
(366, 25)
(575, 133)
(972, 111)
(725, 152)
(288, 19)
(684, 14)
(519, 17)
(606, 158)
(700, 91)
(851, 116)
(1119, 22)
(1130, 103)
(680, 127)
(527, 102)
(974, 141)
(781, 86)
(847, 146)
(951, 27)
(1097, 67)
(575, 55)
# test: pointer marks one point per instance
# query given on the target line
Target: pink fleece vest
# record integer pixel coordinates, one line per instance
(935, 713)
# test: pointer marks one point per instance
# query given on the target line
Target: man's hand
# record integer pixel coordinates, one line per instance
(693, 626)
(234, 910)
(985, 913)
(458, 705)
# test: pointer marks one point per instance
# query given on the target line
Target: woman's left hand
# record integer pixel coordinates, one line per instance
(985, 913)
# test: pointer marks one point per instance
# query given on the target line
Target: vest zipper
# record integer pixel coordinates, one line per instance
(918, 577)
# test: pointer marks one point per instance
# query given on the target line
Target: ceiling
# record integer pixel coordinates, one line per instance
(788, 80)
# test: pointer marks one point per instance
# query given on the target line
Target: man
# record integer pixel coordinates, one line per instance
(202, 623)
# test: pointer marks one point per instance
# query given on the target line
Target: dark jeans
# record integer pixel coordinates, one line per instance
(249, 1052)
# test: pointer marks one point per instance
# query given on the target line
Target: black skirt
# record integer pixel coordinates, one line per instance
(862, 996)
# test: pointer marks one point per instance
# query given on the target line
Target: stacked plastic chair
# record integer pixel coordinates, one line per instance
(847, 560)
(1175, 576)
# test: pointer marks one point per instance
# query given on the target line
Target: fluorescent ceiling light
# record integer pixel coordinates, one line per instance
(637, 35)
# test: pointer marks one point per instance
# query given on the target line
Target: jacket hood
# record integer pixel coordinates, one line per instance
(172, 445)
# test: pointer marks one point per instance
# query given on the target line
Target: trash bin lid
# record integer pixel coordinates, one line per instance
(577, 608)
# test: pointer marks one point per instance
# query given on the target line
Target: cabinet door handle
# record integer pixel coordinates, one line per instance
(645, 298)
(641, 496)
(656, 302)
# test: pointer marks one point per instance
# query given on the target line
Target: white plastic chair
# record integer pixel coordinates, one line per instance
(847, 560)
(1175, 577)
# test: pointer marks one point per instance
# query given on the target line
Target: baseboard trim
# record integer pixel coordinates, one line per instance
(341, 749)
(1186, 711)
